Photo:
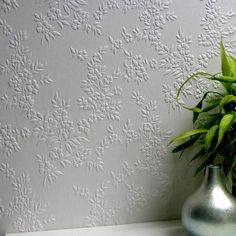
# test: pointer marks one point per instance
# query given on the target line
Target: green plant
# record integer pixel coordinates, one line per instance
(214, 121)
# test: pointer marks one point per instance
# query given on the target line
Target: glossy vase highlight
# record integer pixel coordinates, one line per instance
(211, 210)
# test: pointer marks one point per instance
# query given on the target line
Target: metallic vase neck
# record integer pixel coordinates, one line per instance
(213, 177)
(211, 210)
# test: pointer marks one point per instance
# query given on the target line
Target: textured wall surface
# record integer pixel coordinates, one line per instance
(87, 106)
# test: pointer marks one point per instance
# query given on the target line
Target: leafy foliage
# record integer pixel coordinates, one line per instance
(214, 121)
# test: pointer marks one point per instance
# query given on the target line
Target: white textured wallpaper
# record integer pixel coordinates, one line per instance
(87, 106)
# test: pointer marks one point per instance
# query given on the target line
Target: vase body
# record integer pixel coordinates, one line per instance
(211, 210)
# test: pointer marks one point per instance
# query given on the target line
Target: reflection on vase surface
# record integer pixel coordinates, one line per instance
(211, 210)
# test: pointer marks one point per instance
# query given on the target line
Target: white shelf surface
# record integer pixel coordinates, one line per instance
(159, 228)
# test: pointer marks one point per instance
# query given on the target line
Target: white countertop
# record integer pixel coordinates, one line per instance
(160, 228)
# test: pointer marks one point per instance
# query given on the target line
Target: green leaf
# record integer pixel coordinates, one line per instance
(194, 109)
(197, 109)
(188, 134)
(209, 136)
(199, 105)
(219, 160)
(226, 79)
(188, 79)
(209, 160)
(230, 144)
(225, 124)
(225, 66)
(201, 153)
(232, 62)
(214, 103)
(226, 99)
(201, 167)
(212, 119)
(186, 144)
(233, 87)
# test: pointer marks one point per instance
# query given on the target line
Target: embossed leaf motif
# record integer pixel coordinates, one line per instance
(100, 96)
(137, 67)
(8, 5)
(8, 171)
(21, 72)
(115, 44)
(81, 55)
(21, 36)
(72, 13)
(76, 4)
(215, 25)
(43, 27)
(36, 67)
(130, 134)
(82, 192)
(100, 212)
(5, 28)
(151, 133)
(102, 9)
(107, 141)
(28, 214)
(128, 38)
(66, 147)
(65, 138)
(47, 169)
(9, 138)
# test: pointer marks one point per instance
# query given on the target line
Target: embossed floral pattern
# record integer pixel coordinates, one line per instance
(126, 36)
(100, 213)
(107, 141)
(9, 138)
(72, 13)
(30, 214)
(22, 73)
(81, 55)
(154, 17)
(136, 67)
(8, 171)
(88, 104)
(215, 27)
(5, 28)
(151, 133)
(101, 93)
(179, 64)
(46, 29)
(115, 44)
(8, 5)
(65, 145)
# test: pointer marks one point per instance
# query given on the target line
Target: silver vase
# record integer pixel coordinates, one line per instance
(211, 210)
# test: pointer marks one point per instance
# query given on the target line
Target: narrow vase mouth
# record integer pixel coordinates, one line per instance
(212, 167)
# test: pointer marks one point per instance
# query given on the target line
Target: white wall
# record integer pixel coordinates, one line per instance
(87, 106)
